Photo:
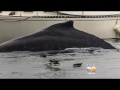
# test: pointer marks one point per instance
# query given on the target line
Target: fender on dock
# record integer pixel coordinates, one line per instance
(117, 29)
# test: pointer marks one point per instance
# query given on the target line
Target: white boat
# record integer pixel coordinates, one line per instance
(20, 23)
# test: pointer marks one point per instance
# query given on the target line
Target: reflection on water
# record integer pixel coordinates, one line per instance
(70, 63)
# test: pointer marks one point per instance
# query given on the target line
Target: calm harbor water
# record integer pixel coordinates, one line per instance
(32, 65)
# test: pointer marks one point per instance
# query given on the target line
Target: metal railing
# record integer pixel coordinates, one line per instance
(62, 15)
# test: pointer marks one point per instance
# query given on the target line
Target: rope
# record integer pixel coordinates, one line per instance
(87, 15)
(117, 20)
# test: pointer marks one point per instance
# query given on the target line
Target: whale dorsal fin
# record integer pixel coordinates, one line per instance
(61, 26)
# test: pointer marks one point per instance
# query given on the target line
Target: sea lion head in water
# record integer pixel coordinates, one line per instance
(56, 37)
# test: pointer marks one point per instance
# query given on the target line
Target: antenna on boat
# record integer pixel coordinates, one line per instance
(37, 13)
(82, 12)
(20, 13)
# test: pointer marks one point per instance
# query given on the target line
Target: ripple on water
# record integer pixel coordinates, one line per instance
(30, 64)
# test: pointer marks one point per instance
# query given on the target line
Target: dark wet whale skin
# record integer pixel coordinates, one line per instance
(56, 37)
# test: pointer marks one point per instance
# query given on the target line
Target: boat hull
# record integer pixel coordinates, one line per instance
(100, 27)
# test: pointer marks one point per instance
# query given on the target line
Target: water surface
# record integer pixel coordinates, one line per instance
(32, 65)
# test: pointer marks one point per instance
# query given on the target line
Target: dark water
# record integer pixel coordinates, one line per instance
(32, 65)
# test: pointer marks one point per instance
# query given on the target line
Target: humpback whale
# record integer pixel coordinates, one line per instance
(55, 37)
